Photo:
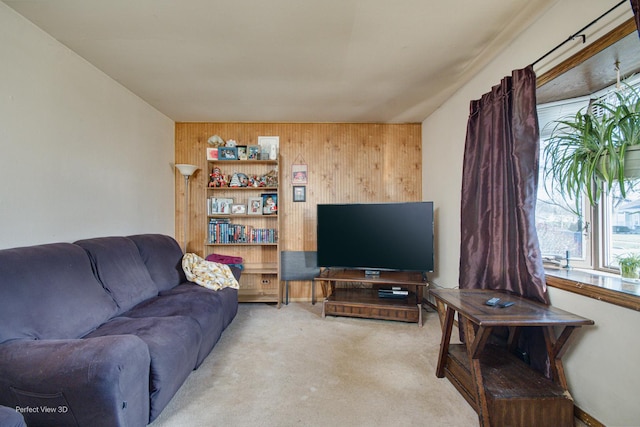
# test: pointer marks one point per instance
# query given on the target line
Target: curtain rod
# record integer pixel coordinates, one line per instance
(578, 33)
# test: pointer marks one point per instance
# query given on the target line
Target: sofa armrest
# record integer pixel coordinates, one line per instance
(236, 271)
(9, 417)
(102, 381)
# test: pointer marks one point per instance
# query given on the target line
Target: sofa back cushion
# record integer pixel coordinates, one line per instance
(163, 257)
(50, 292)
(117, 265)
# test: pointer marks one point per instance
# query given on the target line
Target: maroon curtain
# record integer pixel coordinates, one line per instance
(635, 5)
(499, 245)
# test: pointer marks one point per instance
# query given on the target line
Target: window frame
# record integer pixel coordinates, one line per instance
(594, 282)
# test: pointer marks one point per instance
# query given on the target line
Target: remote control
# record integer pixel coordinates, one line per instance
(492, 301)
(505, 304)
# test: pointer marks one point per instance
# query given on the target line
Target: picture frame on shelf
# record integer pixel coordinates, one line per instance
(242, 152)
(269, 147)
(227, 153)
(254, 206)
(299, 193)
(238, 209)
(216, 206)
(212, 153)
(211, 206)
(269, 203)
(224, 206)
(253, 152)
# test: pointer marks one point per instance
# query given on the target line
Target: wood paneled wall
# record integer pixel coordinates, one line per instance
(347, 163)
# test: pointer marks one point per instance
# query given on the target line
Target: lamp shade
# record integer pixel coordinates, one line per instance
(186, 170)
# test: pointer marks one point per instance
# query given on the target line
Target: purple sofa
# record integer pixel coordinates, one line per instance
(104, 331)
(9, 417)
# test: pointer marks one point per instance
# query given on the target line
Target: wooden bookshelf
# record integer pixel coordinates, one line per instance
(260, 279)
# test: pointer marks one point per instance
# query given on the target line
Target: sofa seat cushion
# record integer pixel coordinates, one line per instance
(50, 292)
(173, 346)
(163, 257)
(205, 307)
(119, 267)
(228, 298)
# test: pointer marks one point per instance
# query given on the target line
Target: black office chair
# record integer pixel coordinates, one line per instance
(299, 265)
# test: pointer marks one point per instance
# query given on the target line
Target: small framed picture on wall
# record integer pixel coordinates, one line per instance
(299, 193)
(299, 174)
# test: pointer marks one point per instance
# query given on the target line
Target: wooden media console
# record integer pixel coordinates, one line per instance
(365, 302)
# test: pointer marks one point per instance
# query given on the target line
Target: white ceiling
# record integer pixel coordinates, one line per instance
(287, 60)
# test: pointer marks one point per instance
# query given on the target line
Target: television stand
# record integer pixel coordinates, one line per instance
(365, 302)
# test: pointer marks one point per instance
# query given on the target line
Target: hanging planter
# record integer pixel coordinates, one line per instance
(588, 153)
(632, 163)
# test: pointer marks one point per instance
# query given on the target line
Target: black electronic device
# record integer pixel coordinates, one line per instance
(506, 304)
(388, 293)
(376, 236)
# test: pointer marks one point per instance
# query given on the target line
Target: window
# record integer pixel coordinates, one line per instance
(565, 228)
(622, 229)
(608, 231)
(563, 233)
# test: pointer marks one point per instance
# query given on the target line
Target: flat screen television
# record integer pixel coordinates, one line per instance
(376, 236)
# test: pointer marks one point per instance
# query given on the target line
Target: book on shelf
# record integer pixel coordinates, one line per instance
(222, 231)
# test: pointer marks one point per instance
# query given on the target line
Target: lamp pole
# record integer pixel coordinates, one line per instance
(186, 171)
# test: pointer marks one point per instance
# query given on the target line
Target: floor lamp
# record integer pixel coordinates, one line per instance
(186, 171)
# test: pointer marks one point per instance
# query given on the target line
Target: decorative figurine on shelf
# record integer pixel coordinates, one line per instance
(270, 179)
(231, 143)
(239, 180)
(235, 181)
(216, 179)
(244, 180)
(216, 141)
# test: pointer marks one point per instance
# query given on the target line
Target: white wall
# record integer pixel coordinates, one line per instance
(80, 155)
(602, 365)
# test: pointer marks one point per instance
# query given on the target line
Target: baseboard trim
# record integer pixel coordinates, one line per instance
(586, 418)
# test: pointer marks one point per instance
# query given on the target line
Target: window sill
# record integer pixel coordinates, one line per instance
(599, 285)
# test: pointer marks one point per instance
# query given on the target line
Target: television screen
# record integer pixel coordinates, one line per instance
(376, 236)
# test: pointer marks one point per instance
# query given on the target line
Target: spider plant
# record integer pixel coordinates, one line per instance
(587, 153)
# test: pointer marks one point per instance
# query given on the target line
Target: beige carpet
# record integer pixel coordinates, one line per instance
(291, 367)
